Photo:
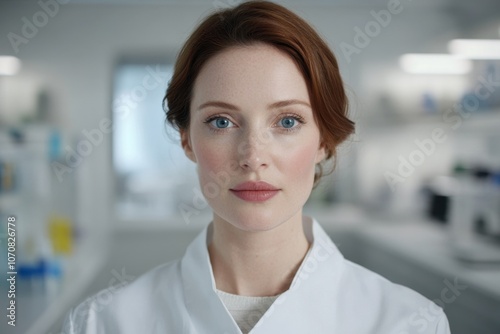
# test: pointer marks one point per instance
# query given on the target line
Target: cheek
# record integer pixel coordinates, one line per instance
(212, 160)
(300, 162)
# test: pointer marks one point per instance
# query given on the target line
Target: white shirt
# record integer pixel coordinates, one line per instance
(246, 310)
(328, 294)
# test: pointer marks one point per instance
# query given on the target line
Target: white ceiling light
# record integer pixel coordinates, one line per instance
(434, 63)
(475, 48)
(9, 65)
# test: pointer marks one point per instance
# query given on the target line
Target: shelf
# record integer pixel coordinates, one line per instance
(487, 120)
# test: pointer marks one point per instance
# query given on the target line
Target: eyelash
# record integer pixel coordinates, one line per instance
(298, 118)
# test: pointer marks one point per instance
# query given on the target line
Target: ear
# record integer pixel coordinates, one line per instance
(186, 145)
(321, 154)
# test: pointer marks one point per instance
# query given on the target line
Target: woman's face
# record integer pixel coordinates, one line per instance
(251, 120)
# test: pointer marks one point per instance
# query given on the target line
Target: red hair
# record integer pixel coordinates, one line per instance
(266, 22)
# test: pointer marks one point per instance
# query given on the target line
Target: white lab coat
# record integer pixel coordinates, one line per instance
(328, 294)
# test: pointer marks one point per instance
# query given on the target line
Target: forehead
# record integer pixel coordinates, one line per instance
(258, 72)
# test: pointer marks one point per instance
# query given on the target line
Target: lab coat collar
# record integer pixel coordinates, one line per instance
(311, 293)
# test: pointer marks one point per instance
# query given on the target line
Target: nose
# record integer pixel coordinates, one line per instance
(252, 153)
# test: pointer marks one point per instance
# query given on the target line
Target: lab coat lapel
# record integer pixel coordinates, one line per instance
(309, 305)
(207, 312)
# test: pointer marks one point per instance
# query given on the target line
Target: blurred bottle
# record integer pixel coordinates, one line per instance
(429, 103)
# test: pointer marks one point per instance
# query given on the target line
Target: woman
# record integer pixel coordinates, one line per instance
(259, 103)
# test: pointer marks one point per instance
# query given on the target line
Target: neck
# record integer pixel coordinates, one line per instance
(261, 263)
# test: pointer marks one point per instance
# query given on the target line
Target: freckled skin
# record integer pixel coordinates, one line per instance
(254, 145)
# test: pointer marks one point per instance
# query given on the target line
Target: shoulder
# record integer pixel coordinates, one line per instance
(161, 280)
(157, 289)
(366, 302)
(388, 304)
(376, 286)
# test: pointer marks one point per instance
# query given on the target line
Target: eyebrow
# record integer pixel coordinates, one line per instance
(275, 105)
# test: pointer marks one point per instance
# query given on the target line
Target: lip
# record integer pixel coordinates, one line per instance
(255, 191)
(254, 186)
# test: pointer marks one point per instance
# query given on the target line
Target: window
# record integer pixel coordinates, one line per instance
(153, 175)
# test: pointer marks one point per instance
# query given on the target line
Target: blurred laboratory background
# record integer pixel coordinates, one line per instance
(98, 190)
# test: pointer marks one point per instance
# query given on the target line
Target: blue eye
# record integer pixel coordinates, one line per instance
(288, 122)
(219, 122)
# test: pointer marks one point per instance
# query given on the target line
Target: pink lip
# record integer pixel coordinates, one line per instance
(255, 191)
(251, 185)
